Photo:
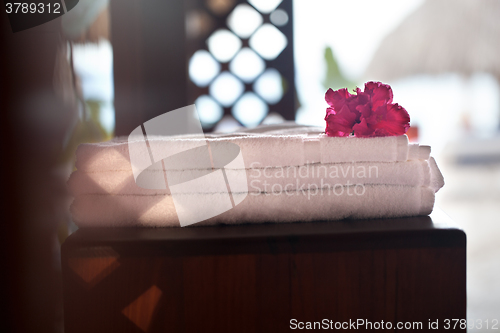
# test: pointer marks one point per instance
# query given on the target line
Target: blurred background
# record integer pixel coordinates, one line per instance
(107, 66)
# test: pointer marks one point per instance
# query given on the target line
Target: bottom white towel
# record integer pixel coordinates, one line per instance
(368, 201)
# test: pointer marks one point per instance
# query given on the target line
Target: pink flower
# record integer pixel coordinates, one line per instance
(339, 117)
(369, 113)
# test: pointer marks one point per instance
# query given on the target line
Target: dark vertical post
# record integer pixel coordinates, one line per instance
(33, 123)
(150, 69)
(285, 65)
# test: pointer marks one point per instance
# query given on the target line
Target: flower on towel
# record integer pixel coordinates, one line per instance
(367, 113)
(339, 116)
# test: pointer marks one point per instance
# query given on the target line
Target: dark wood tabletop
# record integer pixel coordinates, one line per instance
(436, 230)
(256, 278)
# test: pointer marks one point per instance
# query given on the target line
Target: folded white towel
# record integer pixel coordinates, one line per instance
(371, 201)
(290, 173)
(410, 173)
(267, 150)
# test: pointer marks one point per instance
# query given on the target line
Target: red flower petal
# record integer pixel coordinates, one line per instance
(337, 98)
(396, 121)
(340, 123)
(330, 111)
(365, 110)
(379, 93)
(362, 130)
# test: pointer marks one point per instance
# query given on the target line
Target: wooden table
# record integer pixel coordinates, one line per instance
(257, 278)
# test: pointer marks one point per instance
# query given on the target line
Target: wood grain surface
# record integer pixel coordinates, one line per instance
(256, 278)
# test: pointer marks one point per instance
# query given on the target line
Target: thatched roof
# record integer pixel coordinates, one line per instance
(442, 36)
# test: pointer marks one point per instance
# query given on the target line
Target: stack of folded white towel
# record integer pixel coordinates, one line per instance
(287, 174)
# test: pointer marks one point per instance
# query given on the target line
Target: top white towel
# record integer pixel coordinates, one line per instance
(304, 145)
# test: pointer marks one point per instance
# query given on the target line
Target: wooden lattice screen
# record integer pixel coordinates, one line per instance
(240, 59)
(231, 57)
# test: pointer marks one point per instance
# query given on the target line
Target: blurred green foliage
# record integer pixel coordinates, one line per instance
(334, 78)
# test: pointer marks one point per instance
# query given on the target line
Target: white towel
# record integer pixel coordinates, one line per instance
(376, 201)
(267, 150)
(291, 174)
(410, 173)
